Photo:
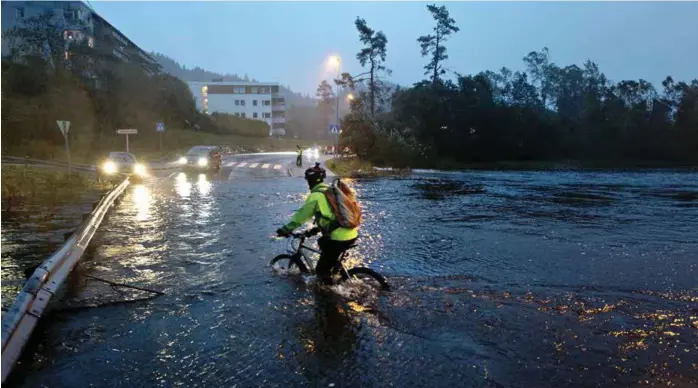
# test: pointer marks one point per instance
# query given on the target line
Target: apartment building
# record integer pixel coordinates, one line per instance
(77, 22)
(251, 100)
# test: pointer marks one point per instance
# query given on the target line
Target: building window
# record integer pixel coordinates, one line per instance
(91, 42)
(267, 102)
(254, 115)
(242, 103)
(254, 102)
(253, 90)
(239, 90)
(20, 12)
(242, 115)
(266, 115)
(71, 14)
(237, 102)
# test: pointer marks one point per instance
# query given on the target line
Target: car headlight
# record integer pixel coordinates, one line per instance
(139, 169)
(109, 168)
(182, 160)
(203, 162)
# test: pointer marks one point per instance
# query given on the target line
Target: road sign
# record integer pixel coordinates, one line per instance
(334, 129)
(160, 127)
(127, 132)
(64, 126)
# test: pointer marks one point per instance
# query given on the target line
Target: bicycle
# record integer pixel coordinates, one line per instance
(297, 258)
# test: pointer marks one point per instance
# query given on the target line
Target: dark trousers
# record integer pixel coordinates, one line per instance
(330, 252)
(299, 161)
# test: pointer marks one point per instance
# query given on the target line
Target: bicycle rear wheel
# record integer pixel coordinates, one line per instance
(287, 263)
(367, 276)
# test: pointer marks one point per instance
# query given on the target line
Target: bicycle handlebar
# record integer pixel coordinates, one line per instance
(306, 234)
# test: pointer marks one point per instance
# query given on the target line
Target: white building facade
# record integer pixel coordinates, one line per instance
(250, 100)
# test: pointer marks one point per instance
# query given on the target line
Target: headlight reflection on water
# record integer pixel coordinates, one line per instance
(203, 185)
(142, 200)
(182, 186)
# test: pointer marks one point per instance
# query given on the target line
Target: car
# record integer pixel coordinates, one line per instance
(313, 152)
(202, 158)
(329, 150)
(120, 164)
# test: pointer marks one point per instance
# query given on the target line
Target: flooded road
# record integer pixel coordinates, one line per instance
(32, 230)
(525, 279)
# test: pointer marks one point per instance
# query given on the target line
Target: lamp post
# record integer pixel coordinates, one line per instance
(335, 61)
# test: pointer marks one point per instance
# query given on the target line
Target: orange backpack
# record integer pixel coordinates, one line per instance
(344, 205)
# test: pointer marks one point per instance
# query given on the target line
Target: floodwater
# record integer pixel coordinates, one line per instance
(500, 279)
(32, 229)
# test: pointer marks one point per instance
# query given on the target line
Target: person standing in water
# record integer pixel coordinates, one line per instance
(299, 159)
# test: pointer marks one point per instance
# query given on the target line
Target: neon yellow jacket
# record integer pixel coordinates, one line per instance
(317, 205)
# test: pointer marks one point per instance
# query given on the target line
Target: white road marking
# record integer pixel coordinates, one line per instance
(265, 165)
(253, 165)
(277, 167)
(231, 164)
(243, 164)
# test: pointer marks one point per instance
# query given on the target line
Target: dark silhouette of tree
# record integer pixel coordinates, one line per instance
(373, 54)
(326, 102)
(546, 113)
(433, 45)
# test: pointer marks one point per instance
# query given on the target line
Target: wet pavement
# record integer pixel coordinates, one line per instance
(525, 279)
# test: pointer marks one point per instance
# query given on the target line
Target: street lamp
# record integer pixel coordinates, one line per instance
(333, 61)
(350, 97)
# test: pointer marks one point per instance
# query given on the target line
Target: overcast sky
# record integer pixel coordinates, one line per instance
(289, 42)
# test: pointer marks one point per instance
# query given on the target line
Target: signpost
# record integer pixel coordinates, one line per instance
(127, 132)
(335, 130)
(64, 126)
(160, 128)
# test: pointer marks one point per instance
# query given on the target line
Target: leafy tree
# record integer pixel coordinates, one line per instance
(433, 45)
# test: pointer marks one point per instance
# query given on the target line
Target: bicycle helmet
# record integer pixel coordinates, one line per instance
(315, 175)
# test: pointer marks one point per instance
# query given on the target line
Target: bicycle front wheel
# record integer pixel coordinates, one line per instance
(368, 276)
(287, 263)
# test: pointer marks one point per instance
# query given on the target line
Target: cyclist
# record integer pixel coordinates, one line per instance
(335, 240)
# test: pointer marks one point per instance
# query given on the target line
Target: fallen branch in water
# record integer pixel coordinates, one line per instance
(125, 285)
(105, 304)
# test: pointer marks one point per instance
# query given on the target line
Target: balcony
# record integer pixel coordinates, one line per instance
(278, 107)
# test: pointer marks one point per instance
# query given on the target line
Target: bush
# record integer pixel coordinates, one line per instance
(234, 125)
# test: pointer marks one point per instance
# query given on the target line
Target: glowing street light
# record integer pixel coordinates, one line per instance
(334, 61)
(350, 97)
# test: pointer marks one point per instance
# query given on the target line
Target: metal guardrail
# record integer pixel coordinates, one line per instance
(32, 161)
(21, 319)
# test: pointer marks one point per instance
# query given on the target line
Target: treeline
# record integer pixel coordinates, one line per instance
(48, 77)
(174, 68)
(545, 113)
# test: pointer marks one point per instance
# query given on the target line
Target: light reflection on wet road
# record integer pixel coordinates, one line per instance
(501, 279)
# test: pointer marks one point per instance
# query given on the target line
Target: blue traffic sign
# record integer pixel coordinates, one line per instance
(160, 127)
(334, 129)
